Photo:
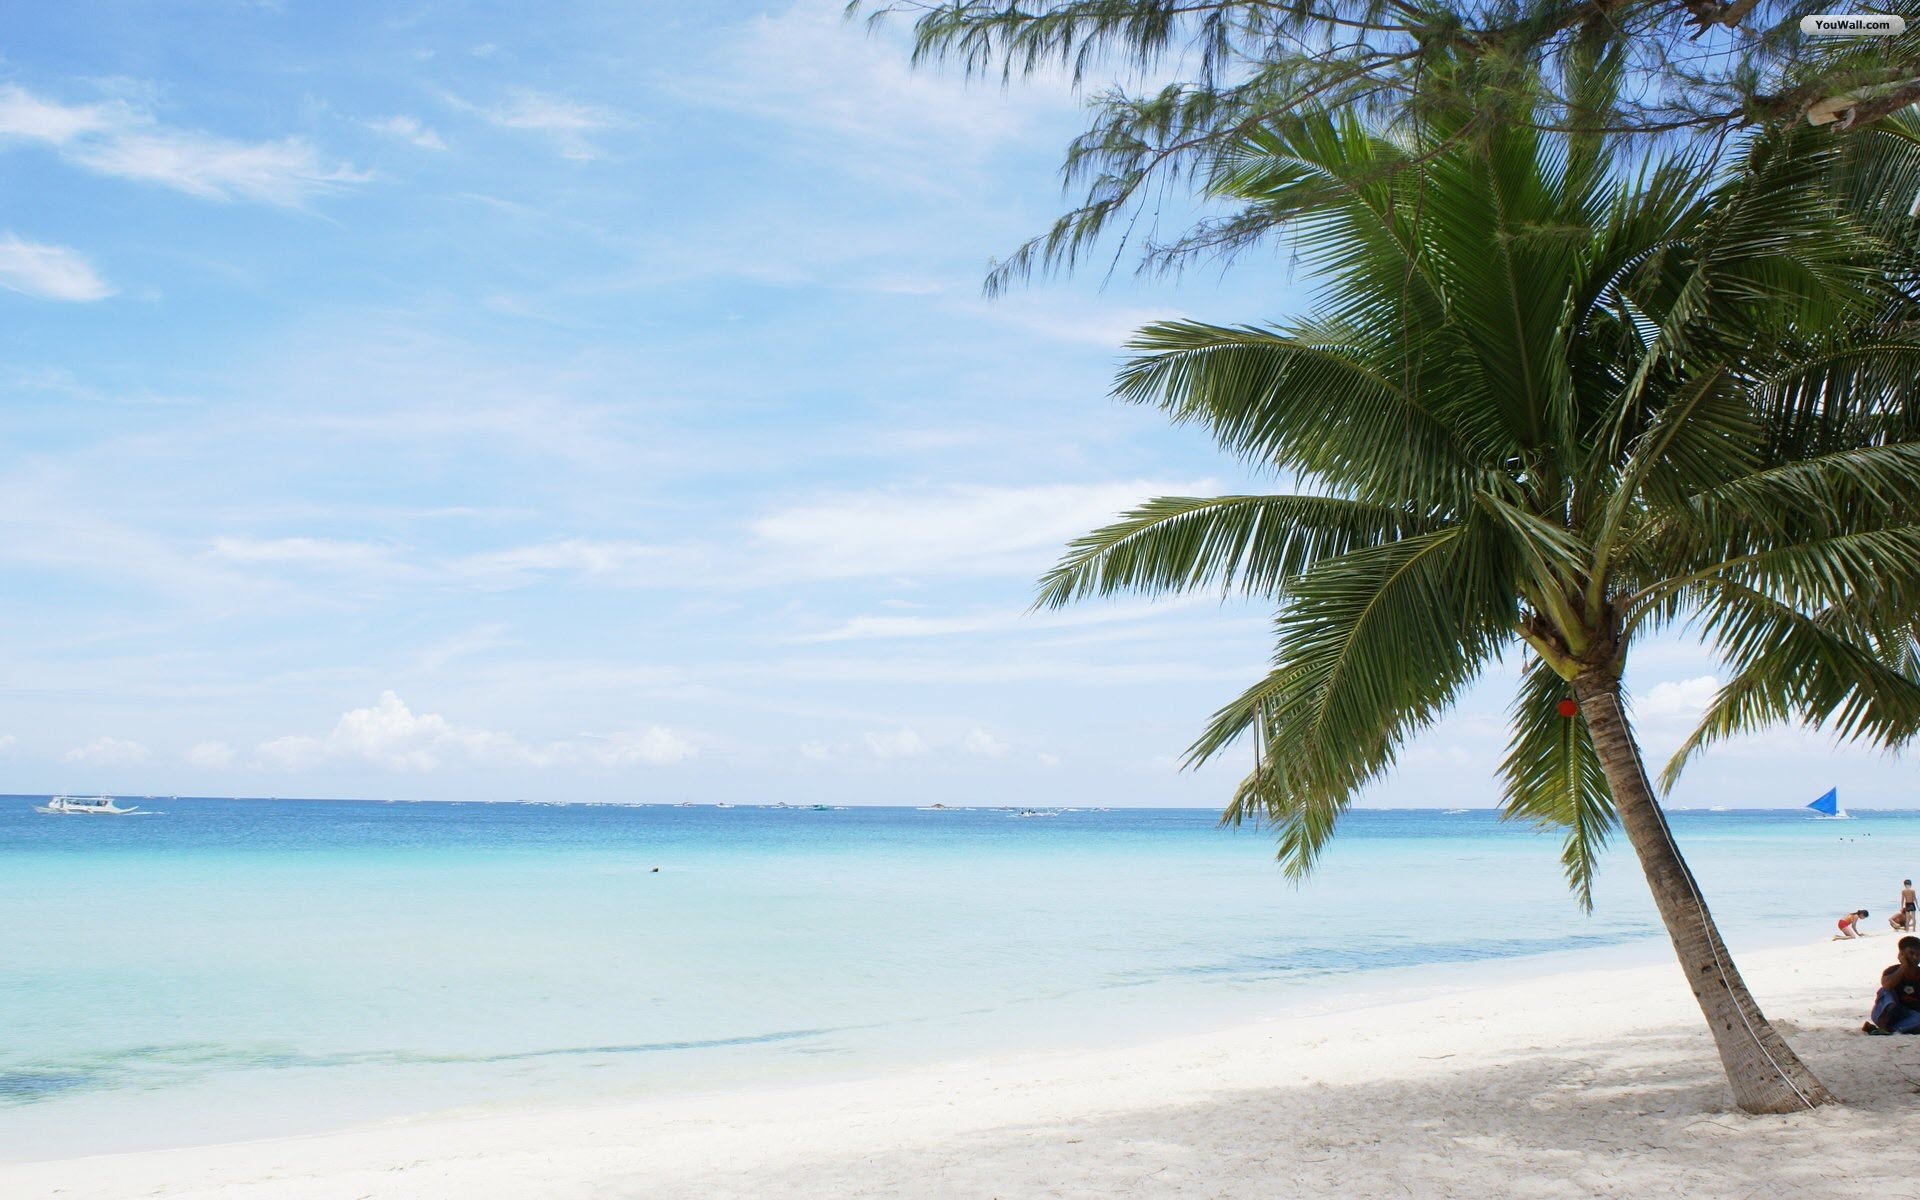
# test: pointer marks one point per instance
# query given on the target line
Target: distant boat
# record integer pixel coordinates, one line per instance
(1829, 806)
(721, 804)
(1034, 812)
(1454, 812)
(101, 805)
(1718, 808)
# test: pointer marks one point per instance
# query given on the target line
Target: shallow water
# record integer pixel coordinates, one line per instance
(226, 969)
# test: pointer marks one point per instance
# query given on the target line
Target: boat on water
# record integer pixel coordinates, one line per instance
(1828, 807)
(100, 805)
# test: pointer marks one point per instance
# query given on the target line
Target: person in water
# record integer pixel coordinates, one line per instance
(1903, 920)
(1896, 1006)
(1849, 925)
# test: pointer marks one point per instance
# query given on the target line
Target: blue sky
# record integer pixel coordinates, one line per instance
(436, 401)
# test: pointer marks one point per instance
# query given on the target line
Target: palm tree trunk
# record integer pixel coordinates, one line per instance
(1766, 1075)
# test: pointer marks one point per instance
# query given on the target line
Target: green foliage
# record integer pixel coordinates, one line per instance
(1553, 778)
(1198, 81)
(1551, 403)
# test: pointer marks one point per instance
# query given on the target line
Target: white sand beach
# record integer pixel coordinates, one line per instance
(1581, 1084)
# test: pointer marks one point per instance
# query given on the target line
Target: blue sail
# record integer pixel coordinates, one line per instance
(1827, 805)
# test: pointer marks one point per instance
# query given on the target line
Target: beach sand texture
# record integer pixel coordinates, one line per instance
(1581, 1084)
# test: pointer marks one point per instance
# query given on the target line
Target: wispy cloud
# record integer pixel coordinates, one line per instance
(120, 140)
(1012, 620)
(952, 531)
(48, 272)
(808, 68)
(408, 129)
(565, 123)
(302, 551)
(1078, 322)
(582, 556)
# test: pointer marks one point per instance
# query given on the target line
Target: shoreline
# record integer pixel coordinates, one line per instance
(1600, 1079)
(1201, 1014)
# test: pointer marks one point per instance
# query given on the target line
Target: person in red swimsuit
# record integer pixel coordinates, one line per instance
(1849, 925)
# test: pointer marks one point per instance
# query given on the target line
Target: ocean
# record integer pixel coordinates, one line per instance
(224, 969)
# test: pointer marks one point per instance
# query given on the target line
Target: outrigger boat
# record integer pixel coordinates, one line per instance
(1828, 806)
(89, 804)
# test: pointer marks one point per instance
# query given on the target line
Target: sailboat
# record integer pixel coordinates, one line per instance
(1828, 806)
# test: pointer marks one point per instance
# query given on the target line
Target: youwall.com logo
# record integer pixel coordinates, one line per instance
(1853, 25)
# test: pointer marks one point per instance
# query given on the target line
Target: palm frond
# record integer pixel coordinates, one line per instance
(1553, 778)
(1253, 544)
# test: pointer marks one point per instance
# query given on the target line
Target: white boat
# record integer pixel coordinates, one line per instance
(87, 804)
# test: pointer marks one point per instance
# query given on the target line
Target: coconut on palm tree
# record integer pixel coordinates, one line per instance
(1549, 404)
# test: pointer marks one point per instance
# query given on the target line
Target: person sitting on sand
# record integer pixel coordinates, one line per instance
(1850, 924)
(1896, 1006)
(1903, 920)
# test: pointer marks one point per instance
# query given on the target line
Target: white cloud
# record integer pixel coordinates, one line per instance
(211, 754)
(1075, 322)
(984, 744)
(1013, 668)
(1013, 620)
(8, 742)
(818, 752)
(106, 751)
(300, 551)
(294, 753)
(565, 123)
(24, 115)
(654, 746)
(120, 140)
(811, 69)
(390, 735)
(567, 555)
(955, 531)
(48, 272)
(899, 743)
(285, 172)
(408, 129)
(1677, 702)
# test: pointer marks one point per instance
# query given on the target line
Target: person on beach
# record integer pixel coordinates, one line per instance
(1896, 1006)
(1903, 920)
(1849, 925)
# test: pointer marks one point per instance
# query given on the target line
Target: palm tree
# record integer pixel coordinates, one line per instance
(1546, 403)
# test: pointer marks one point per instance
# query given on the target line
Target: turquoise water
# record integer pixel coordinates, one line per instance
(227, 969)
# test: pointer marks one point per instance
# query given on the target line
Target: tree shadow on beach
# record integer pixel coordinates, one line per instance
(1642, 1115)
